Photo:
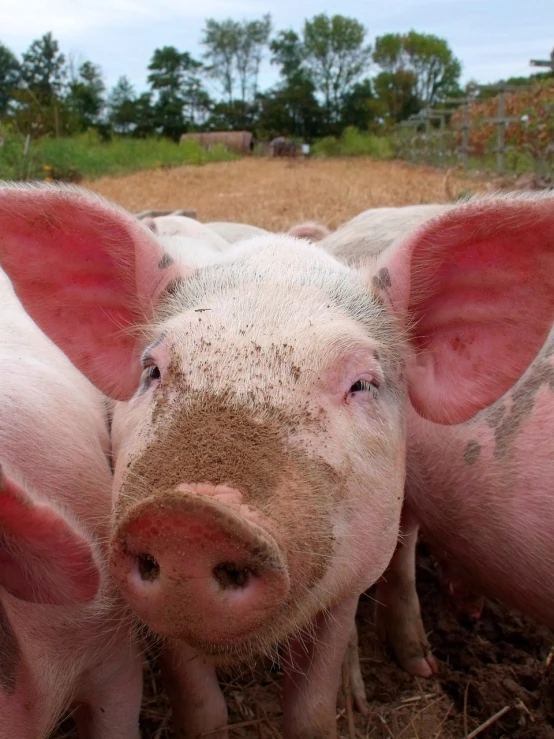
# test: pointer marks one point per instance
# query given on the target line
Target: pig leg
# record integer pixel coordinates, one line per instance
(398, 613)
(352, 666)
(197, 703)
(110, 702)
(313, 674)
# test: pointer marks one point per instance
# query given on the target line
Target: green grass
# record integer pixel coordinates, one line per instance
(354, 143)
(86, 156)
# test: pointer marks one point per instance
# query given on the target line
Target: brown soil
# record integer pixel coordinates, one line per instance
(277, 194)
(502, 661)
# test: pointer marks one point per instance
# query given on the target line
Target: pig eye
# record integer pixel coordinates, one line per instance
(364, 386)
(153, 372)
(150, 373)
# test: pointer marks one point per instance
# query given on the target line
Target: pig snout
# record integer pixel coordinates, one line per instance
(195, 566)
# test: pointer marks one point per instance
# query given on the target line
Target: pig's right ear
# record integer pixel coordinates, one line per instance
(87, 273)
(42, 558)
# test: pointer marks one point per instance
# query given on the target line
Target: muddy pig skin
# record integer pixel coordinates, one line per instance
(65, 639)
(481, 491)
(259, 440)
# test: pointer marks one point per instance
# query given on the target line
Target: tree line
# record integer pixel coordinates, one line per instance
(330, 77)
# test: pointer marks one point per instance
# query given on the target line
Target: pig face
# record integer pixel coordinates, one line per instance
(260, 449)
(260, 463)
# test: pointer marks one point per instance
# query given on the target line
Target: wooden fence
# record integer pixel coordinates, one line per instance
(442, 137)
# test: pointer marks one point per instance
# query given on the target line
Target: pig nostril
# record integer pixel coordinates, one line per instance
(230, 575)
(149, 569)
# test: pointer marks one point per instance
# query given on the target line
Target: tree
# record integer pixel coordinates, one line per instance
(396, 92)
(336, 56)
(85, 99)
(173, 74)
(198, 103)
(358, 107)
(10, 72)
(292, 107)
(253, 39)
(221, 39)
(289, 54)
(122, 106)
(434, 70)
(142, 114)
(44, 70)
(291, 110)
(39, 105)
(234, 52)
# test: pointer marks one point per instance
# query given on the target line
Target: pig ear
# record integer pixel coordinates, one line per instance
(42, 558)
(309, 230)
(87, 273)
(476, 288)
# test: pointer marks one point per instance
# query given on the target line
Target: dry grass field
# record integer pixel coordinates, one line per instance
(275, 194)
(500, 664)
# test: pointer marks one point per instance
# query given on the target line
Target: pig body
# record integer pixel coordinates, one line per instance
(259, 440)
(233, 232)
(480, 490)
(64, 639)
(375, 229)
(187, 241)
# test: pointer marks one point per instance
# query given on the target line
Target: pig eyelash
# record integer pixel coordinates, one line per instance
(151, 372)
(371, 386)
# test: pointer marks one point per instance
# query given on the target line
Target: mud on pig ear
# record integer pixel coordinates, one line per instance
(474, 287)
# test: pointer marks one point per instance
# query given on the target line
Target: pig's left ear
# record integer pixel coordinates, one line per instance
(88, 274)
(475, 289)
(43, 558)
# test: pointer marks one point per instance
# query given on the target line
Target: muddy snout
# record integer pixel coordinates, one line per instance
(195, 568)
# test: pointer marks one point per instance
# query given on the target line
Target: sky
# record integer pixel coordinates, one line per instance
(494, 39)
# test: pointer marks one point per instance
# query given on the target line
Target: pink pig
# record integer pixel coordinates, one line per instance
(65, 639)
(259, 444)
(480, 490)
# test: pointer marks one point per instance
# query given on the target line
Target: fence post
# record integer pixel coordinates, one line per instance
(502, 121)
(544, 63)
(501, 131)
(463, 150)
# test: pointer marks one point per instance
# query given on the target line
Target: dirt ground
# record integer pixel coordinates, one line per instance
(500, 663)
(276, 194)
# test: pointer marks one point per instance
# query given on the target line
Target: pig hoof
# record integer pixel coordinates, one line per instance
(425, 666)
(360, 701)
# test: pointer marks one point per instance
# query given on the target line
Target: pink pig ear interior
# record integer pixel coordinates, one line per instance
(87, 273)
(42, 558)
(477, 287)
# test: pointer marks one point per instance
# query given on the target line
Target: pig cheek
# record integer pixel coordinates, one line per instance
(132, 428)
(378, 492)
